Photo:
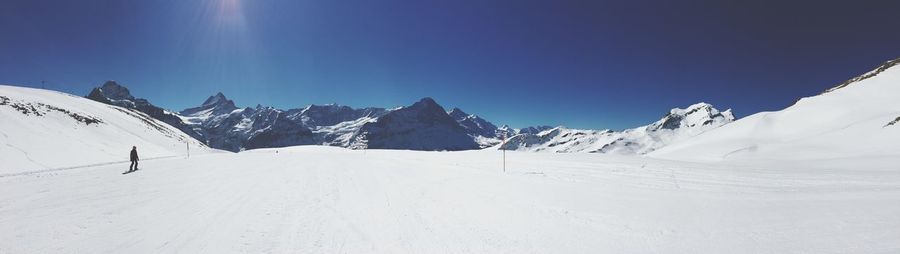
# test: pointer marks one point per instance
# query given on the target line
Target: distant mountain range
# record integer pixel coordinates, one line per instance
(424, 125)
(41, 128)
(677, 125)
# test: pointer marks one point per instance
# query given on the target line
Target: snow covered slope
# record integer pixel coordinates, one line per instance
(111, 92)
(315, 199)
(678, 124)
(856, 118)
(41, 130)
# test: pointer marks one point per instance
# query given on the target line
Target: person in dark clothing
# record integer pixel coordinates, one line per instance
(134, 159)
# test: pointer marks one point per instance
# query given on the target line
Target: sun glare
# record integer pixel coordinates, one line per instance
(229, 12)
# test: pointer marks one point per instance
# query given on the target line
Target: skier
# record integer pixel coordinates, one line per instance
(134, 159)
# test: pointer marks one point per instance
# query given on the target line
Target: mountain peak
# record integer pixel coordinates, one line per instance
(110, 83)
(112, 90)
(215, 99)
(218, 103)
(699, 114)
(427, 104)
(693, 108)
(426, 101)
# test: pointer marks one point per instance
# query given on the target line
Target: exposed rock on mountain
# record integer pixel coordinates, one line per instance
(46, 130)
(114, 94)
(423, 126)
(678, 124)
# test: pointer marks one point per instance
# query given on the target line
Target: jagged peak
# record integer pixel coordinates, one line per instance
(110, 83)
(218, 102)
(427, 103)
(692, 108)
(219, 98)
(698, 114)
(113, 90)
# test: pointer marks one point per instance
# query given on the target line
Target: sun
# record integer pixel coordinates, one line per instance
(228, 12)
(229, 9)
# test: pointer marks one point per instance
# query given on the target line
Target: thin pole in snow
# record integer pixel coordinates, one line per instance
(503, 143)
(187, 145)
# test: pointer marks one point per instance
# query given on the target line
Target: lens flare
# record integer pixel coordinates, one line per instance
(220, 43)
(229, 12)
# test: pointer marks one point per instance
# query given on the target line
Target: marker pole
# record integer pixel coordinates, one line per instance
(502, 144)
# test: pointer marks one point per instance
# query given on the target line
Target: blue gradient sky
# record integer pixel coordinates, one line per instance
(583, 64)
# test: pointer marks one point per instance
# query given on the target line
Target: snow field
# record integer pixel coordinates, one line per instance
(332, 200)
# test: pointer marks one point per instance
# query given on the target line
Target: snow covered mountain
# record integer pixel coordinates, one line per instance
(474, 125)
(485, 133)
(331, 114)
(43, 130)
(422, 126)
(856, 118)
(113, 93)
(226, 127)
(215, 105)
(678, 124)
(221, 124)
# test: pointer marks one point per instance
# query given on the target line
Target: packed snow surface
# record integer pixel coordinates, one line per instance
(333, 200)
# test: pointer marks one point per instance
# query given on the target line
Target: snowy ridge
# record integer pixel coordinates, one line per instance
(44, 130)
(112, 93)
(220, 124)
(678, 124)
(215, 105)
(482, 131)
(847, 121)
(872, 73)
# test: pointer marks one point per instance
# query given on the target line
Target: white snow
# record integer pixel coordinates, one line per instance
(333, 200)
(678, 125)
(850, 121)
(47, 138)
(818, 177)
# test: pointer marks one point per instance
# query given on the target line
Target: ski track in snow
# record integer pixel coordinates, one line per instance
(24, 153)
(331, 200)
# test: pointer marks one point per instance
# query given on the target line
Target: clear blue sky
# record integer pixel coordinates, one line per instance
(584, 64)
